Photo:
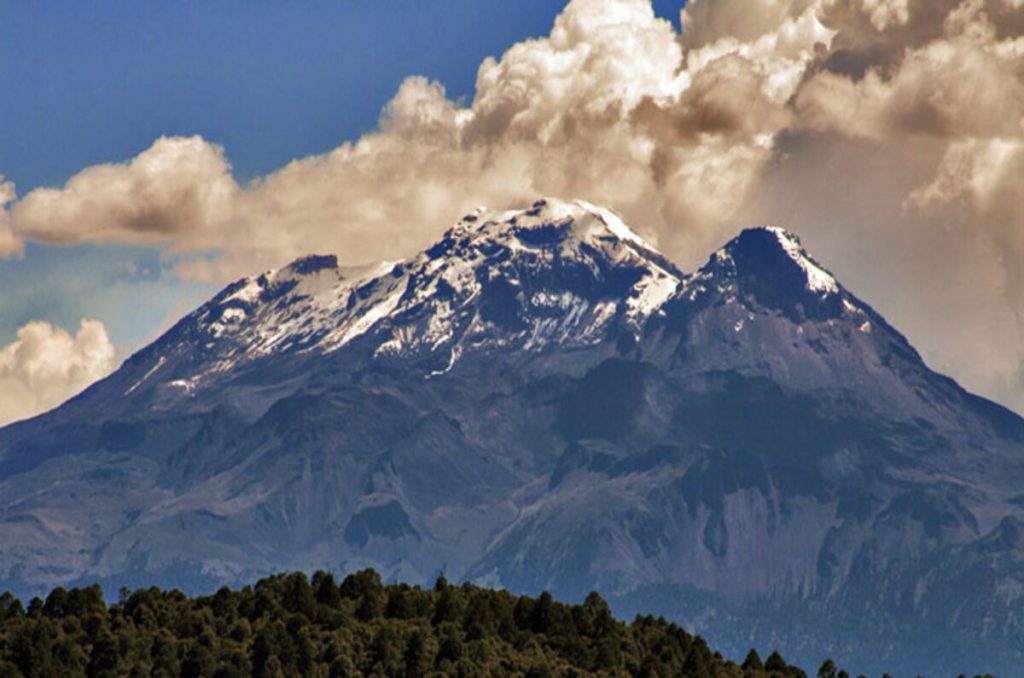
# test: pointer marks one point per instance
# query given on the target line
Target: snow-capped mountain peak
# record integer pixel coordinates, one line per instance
(563, 272)
(768, 267)
(769, 246)
(557, 272)
(562, 227)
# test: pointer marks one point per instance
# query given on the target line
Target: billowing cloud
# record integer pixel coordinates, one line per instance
(46, 365)
(888, 133)
(175, 190)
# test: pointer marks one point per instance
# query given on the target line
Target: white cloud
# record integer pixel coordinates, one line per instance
(882, 130)
(176, 189)
(46, 365)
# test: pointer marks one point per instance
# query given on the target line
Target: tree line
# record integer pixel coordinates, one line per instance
(290, 625)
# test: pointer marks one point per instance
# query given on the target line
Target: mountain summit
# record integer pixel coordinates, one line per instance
(542, 400)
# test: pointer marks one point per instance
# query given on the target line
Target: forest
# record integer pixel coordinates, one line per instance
(289, 624)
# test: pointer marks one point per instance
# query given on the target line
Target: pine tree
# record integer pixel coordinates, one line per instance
(752, 662)
(827, 670)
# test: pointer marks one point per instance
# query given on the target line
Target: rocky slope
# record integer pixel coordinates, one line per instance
(541, 400)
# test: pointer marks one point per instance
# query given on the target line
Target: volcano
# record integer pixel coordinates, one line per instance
(541, 400)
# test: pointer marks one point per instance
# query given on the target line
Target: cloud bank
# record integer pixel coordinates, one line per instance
(46, 365)
(888, 133)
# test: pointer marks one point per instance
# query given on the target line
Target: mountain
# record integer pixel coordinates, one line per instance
(541, 400)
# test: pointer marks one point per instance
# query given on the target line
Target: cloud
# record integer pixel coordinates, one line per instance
(887, 132)
(174, 190)
(46, 365)
(706, 22)
(9, 242)
(973, 174)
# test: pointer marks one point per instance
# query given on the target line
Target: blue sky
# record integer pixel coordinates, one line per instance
(96, 82)
(91, 82)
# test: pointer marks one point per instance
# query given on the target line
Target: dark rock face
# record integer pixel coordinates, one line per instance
(542, 401)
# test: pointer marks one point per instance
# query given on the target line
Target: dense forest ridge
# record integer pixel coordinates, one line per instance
(289, 625)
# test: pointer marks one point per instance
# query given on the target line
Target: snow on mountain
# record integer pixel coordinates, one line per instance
(818, 279)
(558, 272)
